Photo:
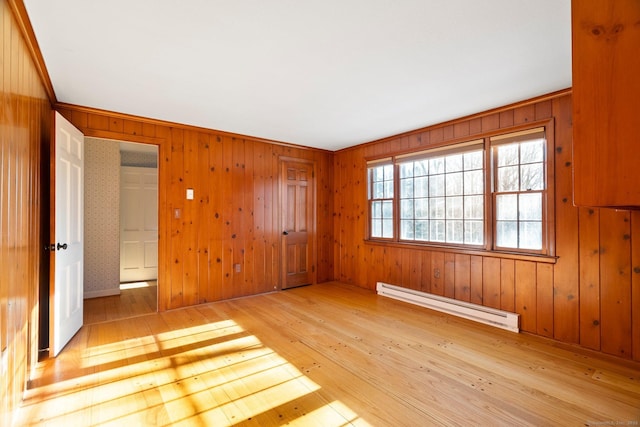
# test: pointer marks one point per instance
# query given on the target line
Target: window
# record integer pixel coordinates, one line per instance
(442, 198)
(381, 200)
(488, 194)
(519, 190)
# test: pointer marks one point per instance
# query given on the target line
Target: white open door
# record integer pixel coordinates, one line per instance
(67, 234)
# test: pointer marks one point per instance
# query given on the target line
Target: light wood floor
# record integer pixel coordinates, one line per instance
(130, 303)
(325, 355)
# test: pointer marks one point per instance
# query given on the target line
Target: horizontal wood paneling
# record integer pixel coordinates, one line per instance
(233, 218)
(25, 114)
(586, 297)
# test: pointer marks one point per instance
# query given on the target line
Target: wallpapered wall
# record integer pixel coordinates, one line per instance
(101, 218)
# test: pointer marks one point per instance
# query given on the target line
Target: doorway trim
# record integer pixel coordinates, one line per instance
(163, 219)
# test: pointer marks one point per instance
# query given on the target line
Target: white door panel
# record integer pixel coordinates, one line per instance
(68, 257)
(138, 224)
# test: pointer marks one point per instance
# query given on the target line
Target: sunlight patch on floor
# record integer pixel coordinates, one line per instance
(211, 374)
(136, 285)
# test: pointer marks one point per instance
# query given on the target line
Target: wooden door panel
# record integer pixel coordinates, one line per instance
(298, 214)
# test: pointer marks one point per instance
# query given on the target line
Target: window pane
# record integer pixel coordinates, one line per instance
(378, 190)
(422, 230)
(387, 228)
(454, 208)
(436, 165)
(455, 231)
(507, 207)
(376, 228)
(473, 182)
(507, 155)
(387, 209)
(406, 209)
(474, 207)
(453, 163)
(473, 160)
(532, 151)
(436, 231)
(436, 208)
(436, 185)
(474, 232)
(532, 177)
(454, 184)
(508, 178)
(406, 170)
(406, 188)
(406, 229)
(388, 189)
(530, 207)
(376, 210)
(531, 235)
(388, 172)
(421, 168)
(507, 234)
(421, 186)
(421, 208)
(378, 173)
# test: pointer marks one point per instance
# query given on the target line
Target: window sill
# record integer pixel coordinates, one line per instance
(481, 252)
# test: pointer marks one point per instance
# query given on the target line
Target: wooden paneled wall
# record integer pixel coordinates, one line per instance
(234, 217)
(25, 116)
(589, 296)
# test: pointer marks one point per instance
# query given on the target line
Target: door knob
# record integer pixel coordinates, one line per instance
(63, 246)
(285, 233)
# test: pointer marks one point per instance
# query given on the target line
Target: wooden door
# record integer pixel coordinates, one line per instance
(298, 223)
(67, 234)
(138, 224)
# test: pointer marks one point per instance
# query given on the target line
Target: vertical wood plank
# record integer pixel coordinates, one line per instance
(250, 286)
(462, 277)
(216, 219)
(544, 299)
(491, 282)
(615, 276)
(476, 280)
(415, 274)
(525, 297)
(565, 276)
(449, 275)
(176, 192)
(589, 278)
(203, 198)
(635, 285)
(191, 220)
(507, 285)
(437, 270)
(425, 281)
(228, 216)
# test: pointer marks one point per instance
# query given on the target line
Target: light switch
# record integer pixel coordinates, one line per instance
(189, 193)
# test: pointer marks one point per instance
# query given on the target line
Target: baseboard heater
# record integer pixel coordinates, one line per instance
(487, 315)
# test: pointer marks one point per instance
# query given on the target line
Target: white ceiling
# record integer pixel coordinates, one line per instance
(327, 74)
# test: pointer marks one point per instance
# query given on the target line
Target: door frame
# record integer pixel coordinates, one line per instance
(281, 220)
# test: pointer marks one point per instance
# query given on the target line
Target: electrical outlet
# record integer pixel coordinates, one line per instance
(436, 273)
(237, 267)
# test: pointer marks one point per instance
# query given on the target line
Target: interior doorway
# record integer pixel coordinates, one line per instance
(110, 294)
